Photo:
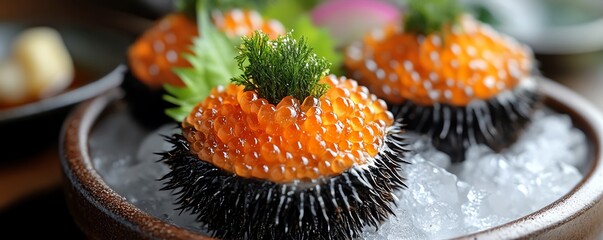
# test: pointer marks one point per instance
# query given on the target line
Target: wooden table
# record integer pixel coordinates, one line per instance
(30, 185)
(20, 178)
(31, 194)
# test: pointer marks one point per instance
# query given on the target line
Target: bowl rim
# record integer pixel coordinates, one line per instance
(79, 170)
(67, 98)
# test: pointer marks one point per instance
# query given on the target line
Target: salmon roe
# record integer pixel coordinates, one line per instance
(160, 49)
(243, 22)
(461, 63)
(240, 132)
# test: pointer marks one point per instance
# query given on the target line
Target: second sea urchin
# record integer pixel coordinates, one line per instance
(449, 77)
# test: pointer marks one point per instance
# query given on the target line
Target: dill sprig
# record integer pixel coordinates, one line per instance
(427, 16)
(297, 15)
(279, 68)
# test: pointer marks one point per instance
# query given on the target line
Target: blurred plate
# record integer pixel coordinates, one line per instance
(96, 39)
(94, 53)
(565, 35)
(548, 26)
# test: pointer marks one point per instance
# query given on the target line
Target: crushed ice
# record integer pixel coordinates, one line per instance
(442, 200)
(488, 189)
(130, 167)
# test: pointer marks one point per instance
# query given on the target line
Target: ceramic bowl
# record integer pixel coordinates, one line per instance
(96, 40)
(102, 213)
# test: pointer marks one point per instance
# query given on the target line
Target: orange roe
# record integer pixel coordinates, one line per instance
(461, 63)
(160, 49)
(240, 132)
(238, 22)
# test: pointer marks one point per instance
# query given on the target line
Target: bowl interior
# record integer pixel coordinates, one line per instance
(97, 129)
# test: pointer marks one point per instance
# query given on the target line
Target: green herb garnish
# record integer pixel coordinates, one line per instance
(212, 65)
(427, 16)
(295, 15)
(280, 68)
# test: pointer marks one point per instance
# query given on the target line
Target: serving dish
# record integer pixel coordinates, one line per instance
(93, 203)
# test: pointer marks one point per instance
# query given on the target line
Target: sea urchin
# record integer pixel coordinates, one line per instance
(290, 154)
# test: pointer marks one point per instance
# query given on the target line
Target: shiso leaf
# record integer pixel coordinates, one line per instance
(278, 68)
(295, 15)
(213, 63)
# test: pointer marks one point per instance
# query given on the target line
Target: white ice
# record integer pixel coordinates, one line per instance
(487, 189)
(131, 169)
(443, 200)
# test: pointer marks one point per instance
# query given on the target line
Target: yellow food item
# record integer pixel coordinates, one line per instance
(39, 66)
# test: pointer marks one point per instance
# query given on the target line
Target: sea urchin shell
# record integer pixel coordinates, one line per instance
(288, 177)
(465, 84)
